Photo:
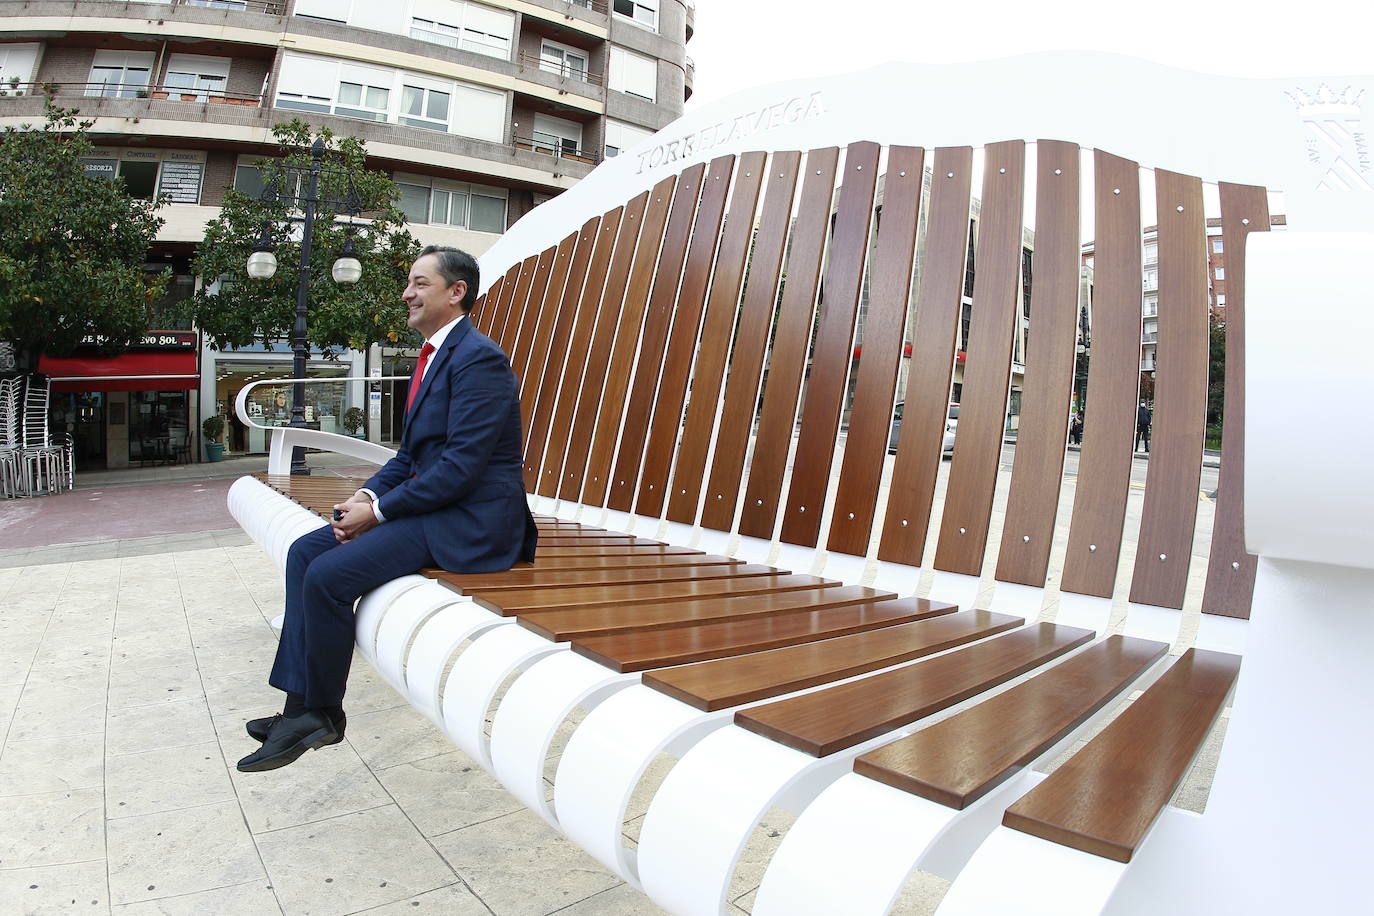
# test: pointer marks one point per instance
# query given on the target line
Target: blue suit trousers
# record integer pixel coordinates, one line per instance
(324, 579)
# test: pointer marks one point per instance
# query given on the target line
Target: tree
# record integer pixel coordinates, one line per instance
(1216, 370)
(72, 245)
(237, 311)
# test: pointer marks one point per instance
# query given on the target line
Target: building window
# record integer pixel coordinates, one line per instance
(469, 27)
(621, 136)
(194, 73)
(633, 74)
(1220, 273)
(563, 60)
(1216, 246)
(120, 74)
(447, 203)
(1221, 300)
(640, 12)
(357, 100)
(557, 136)
(422, 107)
(1151, 252)
(175, 173)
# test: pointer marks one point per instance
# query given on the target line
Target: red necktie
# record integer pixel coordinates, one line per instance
(419, 375)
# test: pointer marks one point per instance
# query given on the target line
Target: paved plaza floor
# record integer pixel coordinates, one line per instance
(130, 658)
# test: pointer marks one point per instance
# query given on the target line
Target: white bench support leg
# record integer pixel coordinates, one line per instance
(846, 567)
(1018, 600)
(898, 577)
(854, 846)
(1014, 872)
(703, 814)
(407, 614)
(605, 760)
(530, 714)
(435, 644)
(476, 677)
(955, 588)
(367, 618)
(1150, 622)
(1087, 611)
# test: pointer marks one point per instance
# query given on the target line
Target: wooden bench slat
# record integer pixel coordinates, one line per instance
(515, 314)
(987, 369)
(615, 550)
(728, 682)
(607, 322)
(654, 561)
(580, 623)
(841, 716)
(708, 568)
(792, 336)
(958, 760)
(496, 320)
(746, 366)
(1230, 569)
(1104, 463)
(884, 331)
(641, 650)
(535, 308)
(541, 345)
(1104, 798)
(934, 336)
(1164, 546)
(1036, 477)
(833, 350)
(509, 602)
(700, 201)
(614, 541)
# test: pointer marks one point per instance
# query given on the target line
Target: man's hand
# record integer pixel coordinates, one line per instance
(354, 517)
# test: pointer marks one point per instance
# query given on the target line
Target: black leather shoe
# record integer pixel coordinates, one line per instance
(258, 729)
(290, 738)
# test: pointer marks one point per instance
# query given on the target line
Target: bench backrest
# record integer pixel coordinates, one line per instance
(726, 350)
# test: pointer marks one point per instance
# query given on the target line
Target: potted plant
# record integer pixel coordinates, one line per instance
(213, 428)
(353, 420)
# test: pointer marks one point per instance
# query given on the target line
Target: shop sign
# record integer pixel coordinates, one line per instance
(153, 340)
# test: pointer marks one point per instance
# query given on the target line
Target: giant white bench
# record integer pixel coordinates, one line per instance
(733, 571)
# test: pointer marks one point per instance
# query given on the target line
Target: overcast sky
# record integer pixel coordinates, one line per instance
(739, 43)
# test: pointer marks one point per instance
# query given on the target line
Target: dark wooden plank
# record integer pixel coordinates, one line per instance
(958, 760)
(1230, 570)
(668, 431)
(987, 368)
(616, 563)
(589, 623)
(616, 550)
(1104, 798)
(486, 304)
(729, 682)
(708, 568)
(532, 353)
(611, 541)
(697, 198)
(513, 300)
(746, 364)
(1164, 547)
(1104, 464)
(833, 350)
(844, 715)
(574, 371)
(510, 602)
(792, 337)
(557, 347)
(525, 306)
(870, 420)
(617, 369)
(641, 651)
(912, 490)
(607, 322)
(1033, 500)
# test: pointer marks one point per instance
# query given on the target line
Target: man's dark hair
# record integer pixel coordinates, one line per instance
(455, 264)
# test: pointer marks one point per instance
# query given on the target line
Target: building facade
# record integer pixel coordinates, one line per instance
(479, 112)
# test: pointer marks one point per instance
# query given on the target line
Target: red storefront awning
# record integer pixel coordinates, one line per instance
(136, 370)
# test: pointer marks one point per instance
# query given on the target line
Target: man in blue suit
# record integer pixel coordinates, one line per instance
(452, 497)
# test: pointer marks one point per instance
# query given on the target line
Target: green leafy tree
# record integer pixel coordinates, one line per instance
(72, 245)
(1216, 370)
(240, 310)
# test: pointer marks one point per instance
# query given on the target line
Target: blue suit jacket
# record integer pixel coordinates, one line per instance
(459, 467)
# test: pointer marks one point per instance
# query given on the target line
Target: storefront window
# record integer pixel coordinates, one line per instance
(159, 430)
(270, 404)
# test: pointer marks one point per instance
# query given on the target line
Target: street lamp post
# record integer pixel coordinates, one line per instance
(262, 264)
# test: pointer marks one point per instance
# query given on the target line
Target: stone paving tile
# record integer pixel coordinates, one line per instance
(252, 899)
(56, 890)
(52, 765)
(395, 736)
(351, 862)
(52, 828)
(328, 782)
(621, 900)
(166, 779)
(448, 792)
(454, 900)
(57, 711)
(149, 686)
(136, 729)
(173, 853)
(519, 866)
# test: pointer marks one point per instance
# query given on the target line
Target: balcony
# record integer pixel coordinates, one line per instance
(130, 91)
(689, 77)
(265, 7)
(562, 150)
(558, 72)
(691, 19)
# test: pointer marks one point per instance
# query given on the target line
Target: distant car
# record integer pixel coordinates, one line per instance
(951, 424)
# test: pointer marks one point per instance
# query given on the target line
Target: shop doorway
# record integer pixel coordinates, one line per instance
(82, 414)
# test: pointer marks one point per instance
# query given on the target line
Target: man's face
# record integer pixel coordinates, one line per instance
(433, 302)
